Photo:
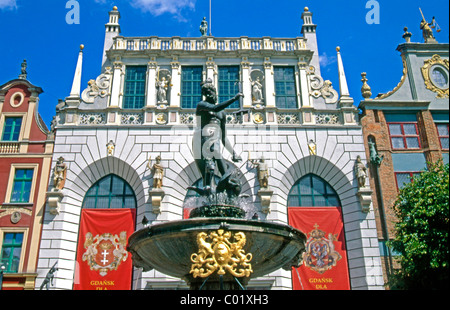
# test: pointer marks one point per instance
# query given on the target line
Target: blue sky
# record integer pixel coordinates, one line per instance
(37, 31)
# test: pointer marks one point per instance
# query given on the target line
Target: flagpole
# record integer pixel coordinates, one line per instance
(210, 18)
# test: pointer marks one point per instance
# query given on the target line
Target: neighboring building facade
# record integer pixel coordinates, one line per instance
(26, 149)
(406, 128)
(143, 106)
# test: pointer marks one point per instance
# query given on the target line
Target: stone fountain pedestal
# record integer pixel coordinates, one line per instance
(172, 248)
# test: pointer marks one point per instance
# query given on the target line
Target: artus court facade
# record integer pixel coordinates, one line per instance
(125, 143)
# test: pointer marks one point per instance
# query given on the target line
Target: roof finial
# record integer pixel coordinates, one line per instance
(366, 91)
(407, 35)
(23, 74)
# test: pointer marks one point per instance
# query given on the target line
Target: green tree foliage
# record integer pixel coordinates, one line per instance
(422, 231)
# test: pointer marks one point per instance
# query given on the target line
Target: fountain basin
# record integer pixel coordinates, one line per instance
(167, 247)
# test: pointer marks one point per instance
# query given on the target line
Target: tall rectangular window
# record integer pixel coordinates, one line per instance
(11, 129)
(285, 93)
(404, 135)
(21, 190)
(443, 135)
(11, 250)
(135, 80)
(191, 91)
(228, 84)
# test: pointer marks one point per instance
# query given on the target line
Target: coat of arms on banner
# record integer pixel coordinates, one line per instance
(320, 255)
(105, 253)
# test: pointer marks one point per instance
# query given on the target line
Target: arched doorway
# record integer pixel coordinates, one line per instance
(314, 208)
(108, 218)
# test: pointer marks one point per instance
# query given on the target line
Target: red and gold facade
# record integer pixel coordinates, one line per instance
(26, 148)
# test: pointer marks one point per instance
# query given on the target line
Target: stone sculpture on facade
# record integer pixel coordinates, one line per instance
(257, 95)
(257, 83)
(158, 173)
(265, 193)
(263, 171)
(360, 172)
(55, 195)
(364, 192)
(163, 83)
(156, 193)
(59, 174)
(204, 27)
(162, 90)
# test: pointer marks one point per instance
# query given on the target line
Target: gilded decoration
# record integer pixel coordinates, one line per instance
(161, 118)
(258, 118)
(436, 63)
(221, 251)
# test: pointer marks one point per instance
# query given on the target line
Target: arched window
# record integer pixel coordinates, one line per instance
(110, 192)
(312, 191)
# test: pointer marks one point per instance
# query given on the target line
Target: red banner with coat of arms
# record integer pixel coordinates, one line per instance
(325, 264)
(103, 262)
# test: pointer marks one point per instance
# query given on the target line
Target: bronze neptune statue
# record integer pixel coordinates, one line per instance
(209, 137)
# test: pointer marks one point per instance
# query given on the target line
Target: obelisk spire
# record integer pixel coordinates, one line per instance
(76, 84)
(345, 99)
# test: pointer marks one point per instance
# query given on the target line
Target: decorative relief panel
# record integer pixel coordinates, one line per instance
(327, 119)
(92, 118)
(187, 118)
(98, 87)
(321, 88)
(131, 118)
(288, 118)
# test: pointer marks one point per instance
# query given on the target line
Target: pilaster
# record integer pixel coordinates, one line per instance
(269, 83)
(176, 84)
(116, 84)
(151, 79)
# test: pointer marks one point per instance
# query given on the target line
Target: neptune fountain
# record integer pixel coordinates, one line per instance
(218, 247)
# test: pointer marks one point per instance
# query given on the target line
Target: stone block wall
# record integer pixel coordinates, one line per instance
(284, 148)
